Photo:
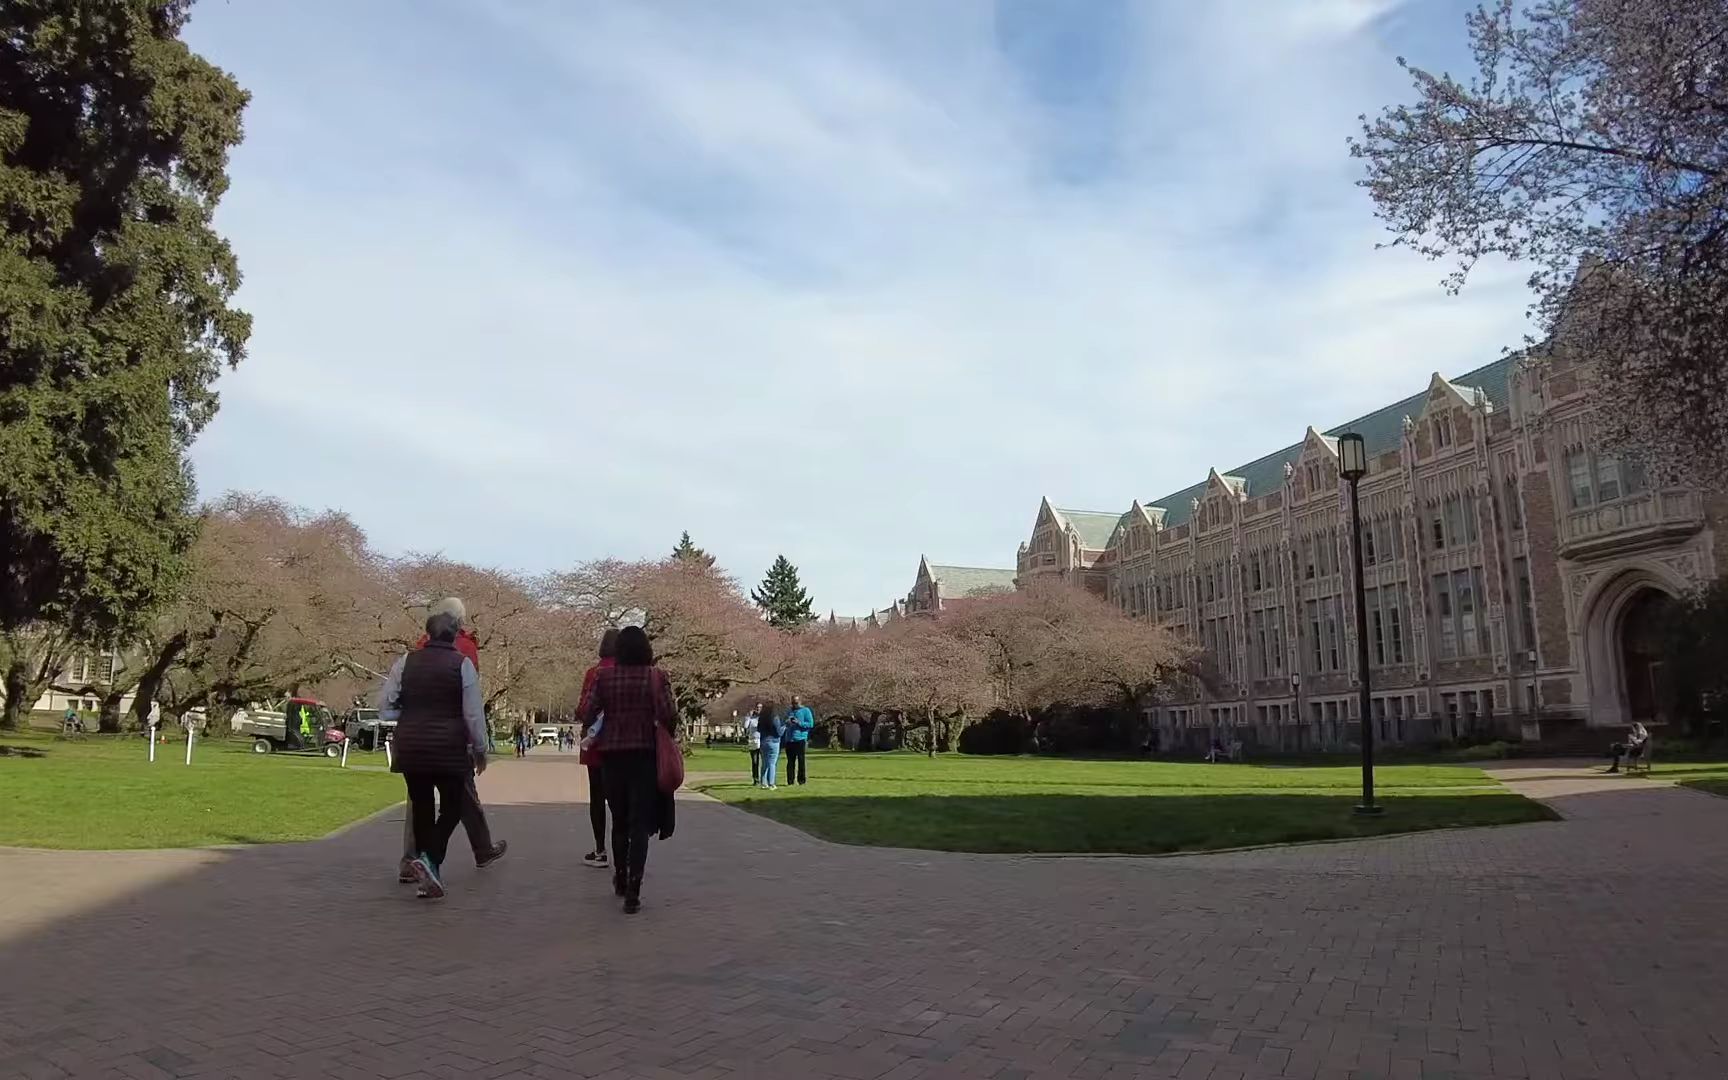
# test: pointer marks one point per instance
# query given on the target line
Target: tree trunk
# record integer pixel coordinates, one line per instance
(930, 721)
(108, 718)
(149, 683)
(28, 674)
(18, 698)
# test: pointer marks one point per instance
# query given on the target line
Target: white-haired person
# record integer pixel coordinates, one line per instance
(474, 822)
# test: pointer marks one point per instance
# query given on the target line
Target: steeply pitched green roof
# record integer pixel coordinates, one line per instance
(963, 581)
(1381, 430)
(1093, 527)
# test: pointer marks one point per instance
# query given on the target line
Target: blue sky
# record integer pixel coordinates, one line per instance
(540, 281)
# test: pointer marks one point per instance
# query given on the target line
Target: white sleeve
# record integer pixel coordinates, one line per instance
(473, 706)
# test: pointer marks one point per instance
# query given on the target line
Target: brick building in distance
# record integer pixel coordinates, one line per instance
(1516, 572)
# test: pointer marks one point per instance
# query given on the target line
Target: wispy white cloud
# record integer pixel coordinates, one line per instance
(540, 281)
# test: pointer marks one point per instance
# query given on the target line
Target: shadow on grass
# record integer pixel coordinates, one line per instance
(22, 751)
(1118, 824)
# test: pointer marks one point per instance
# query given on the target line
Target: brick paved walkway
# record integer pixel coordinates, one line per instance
(1589, 948)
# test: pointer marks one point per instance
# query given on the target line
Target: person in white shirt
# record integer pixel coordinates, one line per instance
(753, 739)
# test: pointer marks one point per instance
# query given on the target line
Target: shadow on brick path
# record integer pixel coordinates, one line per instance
(1591, 947)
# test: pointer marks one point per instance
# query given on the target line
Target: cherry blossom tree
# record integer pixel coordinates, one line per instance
(526, 639)
(277, 597)
(1592, 144)
(1053, 644)
(706, 635)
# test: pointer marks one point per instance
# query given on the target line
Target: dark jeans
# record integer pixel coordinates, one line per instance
(1632, 753)
(597, 805)
(633, 796)
(473, 820)
(434, 824)
(794, 751)
(755, 764)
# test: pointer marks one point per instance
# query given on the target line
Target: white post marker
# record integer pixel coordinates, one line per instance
(389, 755)
(152, 734)
(345, 753)
(188, 744)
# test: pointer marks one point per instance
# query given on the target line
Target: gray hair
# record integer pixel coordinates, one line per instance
(442, 626)
(451, 606)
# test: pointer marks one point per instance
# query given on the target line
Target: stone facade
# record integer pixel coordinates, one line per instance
(1067, 544)
(1512, 567)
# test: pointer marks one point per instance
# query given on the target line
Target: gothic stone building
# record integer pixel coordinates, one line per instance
(1514, 571)
(938, 588)
(1068, 544)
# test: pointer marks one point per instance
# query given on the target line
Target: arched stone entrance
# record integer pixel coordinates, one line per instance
(1643, 667)
(1622, 627)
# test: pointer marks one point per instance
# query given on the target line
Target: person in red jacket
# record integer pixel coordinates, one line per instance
(590, 755)
(473, 813)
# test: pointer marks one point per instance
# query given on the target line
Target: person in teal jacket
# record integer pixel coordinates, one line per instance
(799, 721)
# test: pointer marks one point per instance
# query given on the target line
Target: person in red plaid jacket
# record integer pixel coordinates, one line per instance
(634, 697)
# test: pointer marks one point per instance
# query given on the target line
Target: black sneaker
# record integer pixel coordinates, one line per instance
(492, 856)
(632, 905)
(596, 859)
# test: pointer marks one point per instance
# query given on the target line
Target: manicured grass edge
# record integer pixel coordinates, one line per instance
(1540, 812)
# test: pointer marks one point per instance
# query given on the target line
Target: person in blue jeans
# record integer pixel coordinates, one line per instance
(769, 727)
(799, 721)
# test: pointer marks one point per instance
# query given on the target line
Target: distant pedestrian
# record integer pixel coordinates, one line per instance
(433, 696)
(753, 740)
(769, 727)
(631, 699)
(799, 722)
(591, 756)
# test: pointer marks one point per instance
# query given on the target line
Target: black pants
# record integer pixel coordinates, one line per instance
(1631, 753)
(433, 825)
(794, 751)
(633, 795)
(473, 820)
(755, 764)
(597, 805)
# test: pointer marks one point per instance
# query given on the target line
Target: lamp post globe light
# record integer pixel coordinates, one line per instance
(1353, 466)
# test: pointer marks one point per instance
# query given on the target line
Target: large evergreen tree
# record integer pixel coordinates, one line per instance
(114, 311)
(687, 551)
(782, 596)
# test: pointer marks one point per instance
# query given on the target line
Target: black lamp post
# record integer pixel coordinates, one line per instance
(1353, 466)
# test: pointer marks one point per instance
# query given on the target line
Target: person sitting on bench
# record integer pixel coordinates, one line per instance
(1632, 749)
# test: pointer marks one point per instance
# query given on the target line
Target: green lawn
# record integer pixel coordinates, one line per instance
(1017, 804)
(103, 793)
(1709, 775)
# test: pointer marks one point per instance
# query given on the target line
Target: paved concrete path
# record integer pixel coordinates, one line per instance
(1595, 947)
